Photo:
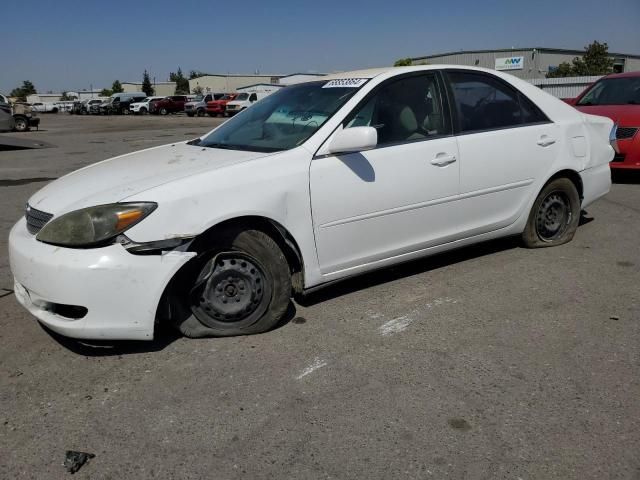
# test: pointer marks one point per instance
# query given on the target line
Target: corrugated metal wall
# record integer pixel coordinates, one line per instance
(568, 87)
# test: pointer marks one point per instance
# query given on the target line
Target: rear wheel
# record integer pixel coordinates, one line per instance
(21, 124)
(242, 286)
(555, 215)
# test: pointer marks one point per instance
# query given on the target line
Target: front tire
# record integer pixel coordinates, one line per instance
(242, 287)
(164, 111)
(555, 215)
(200, 112)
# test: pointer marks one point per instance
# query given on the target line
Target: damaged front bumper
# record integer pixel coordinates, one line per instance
(97, 293)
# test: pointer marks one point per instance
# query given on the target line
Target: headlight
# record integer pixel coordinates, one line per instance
(94, 225)
(613, 137)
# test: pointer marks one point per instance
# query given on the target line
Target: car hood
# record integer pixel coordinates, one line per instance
(116, 179)
(623, 115)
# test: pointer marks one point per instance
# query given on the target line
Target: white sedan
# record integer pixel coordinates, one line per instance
(318, 182)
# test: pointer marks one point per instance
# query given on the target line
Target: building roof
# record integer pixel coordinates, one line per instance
(152, 83)
(261, 84)
(258, 75)
(538, 49)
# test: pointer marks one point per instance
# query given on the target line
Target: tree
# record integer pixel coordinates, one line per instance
(198, 90)
(403, 62)
(595, 61)
(147, 88)
(117, 87)
(182, 84)
(195, 74)
(105, 92)
(22, 92)
(65, 97)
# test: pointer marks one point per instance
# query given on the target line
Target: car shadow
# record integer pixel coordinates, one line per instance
(408, 269)
(625, 176)
(164, 336)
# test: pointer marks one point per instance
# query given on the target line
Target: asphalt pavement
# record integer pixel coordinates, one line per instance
(489, 362)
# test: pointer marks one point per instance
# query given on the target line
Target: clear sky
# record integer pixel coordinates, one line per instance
(68, 45)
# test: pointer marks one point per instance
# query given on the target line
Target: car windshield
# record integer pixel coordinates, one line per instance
(614, 91)
(242, 96)
(197, 98)
(282, 120)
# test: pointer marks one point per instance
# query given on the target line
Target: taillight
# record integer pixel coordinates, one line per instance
(613, 137)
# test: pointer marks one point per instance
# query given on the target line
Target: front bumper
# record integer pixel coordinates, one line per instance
(629, 156)
(120, 291)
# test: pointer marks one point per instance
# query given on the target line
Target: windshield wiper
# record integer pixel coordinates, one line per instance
(223, 146)
(195, 141)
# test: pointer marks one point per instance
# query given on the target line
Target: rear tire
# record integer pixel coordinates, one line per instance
(21, 124)
(555, 215)
(242, 286)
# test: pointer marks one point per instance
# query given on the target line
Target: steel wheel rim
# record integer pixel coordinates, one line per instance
(231, 291)
(553, 216)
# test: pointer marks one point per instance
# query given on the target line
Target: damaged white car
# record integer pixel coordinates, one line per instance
(317, 182)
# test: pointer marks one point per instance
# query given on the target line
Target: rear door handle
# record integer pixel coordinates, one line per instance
(546, 140)
(443, 159)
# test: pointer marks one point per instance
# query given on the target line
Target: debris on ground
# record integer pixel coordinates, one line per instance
(75, 460)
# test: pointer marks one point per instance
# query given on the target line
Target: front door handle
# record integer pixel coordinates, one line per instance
(443, 159)
(546, 140)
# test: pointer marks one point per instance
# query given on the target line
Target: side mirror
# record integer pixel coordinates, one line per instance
(355, 139)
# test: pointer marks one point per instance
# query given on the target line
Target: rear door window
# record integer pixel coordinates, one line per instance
(483, 102)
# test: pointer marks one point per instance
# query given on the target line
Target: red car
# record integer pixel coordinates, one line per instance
(617, 96)
(217, 107)
(172, 104)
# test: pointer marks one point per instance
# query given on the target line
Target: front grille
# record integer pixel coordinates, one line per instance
(624, 133)
(36, 219)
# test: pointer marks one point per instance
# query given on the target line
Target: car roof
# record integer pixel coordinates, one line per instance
(623, 75)
(374, 72)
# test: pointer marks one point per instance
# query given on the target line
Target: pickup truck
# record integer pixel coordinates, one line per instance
(24, 117)
(218, 107)
(48, 107)
(199, 105)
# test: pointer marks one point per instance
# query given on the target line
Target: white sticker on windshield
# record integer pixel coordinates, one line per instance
(345, 83)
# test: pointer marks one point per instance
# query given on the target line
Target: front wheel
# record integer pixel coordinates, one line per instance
(200, 112)
(241, 287)
(163, 111)
(555, 215)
